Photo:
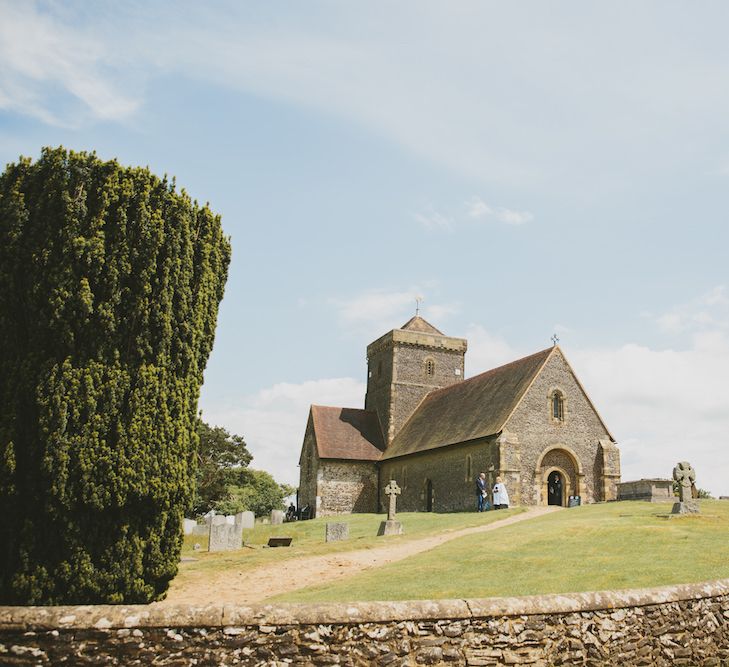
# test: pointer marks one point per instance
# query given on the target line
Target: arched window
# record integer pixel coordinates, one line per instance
(429, 367)
(557, 406)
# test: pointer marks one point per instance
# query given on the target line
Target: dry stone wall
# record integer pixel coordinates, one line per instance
(676, 625)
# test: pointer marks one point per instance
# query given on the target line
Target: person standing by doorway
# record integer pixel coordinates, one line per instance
(501, 495)
(481, 493)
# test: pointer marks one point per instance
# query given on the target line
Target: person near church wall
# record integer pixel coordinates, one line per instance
(481, 492)
(501, 495)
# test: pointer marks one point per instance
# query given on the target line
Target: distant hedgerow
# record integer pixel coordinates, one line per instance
(110, 282)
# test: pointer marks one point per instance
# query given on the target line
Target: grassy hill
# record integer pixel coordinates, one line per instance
(595, 547)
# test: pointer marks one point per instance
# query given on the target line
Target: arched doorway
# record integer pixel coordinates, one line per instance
(555, 486)
(558, 475)
(428, 495)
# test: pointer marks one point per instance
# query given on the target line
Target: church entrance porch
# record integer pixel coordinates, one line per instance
(558, 476)
(428, 495)
(554, 488)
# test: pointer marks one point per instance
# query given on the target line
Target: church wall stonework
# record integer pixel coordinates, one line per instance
(308, 471)
(344, 487)
(453, 483)
(537, 432)
(411, 384)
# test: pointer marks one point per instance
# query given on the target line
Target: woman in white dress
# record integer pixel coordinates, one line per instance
(501, 495)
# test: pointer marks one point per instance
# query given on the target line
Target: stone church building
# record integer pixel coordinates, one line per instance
(425, 426)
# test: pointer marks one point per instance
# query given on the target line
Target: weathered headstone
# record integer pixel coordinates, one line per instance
(685, 475)
(188, 526)
(247, 519)
(225, 536)
(391, 526)
(277, 517)
(335, 532)
(218, 520)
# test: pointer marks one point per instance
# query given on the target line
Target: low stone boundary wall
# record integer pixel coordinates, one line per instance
(672, 625)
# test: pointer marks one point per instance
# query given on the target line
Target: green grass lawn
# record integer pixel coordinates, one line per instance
(594, 547)
(308, 540)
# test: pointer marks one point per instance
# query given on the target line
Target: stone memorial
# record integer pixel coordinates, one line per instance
(391, 526)
(649, 490)
(188, 525)
(336, 532)
(225, 536)
(248, 520)
(277, 517)
(685, 475)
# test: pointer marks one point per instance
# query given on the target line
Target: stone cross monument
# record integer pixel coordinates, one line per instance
(392, 490)
(391, 526)
(685, 475)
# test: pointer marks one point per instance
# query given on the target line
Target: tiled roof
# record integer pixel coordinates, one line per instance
(347, 433)
(417, 323)
(475, 408)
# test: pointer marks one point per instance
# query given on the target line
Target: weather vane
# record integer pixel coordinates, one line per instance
(555, 339)
(418, 299)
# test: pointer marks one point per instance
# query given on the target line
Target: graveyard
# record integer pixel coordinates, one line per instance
(597, 547)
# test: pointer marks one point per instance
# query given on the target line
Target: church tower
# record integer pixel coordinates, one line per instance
(406, 364)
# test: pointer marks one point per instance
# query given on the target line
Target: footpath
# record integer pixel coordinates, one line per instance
(255, 585)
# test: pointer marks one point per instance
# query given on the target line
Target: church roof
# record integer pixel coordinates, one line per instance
(417, 323)
(475, 408)
(347, 433)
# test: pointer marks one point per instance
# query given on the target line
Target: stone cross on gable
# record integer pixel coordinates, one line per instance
(392, 490)
(685, 475)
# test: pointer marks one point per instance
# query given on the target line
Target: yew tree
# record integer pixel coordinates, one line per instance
(110, 281)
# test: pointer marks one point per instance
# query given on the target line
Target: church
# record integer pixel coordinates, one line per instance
(424, 425)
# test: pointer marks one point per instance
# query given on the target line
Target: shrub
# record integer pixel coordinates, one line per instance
(110, 282)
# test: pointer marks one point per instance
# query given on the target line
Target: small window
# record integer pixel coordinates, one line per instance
(429, 367)
(469, 468)
(558, 406)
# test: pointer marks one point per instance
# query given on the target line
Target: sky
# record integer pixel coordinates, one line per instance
(527, 168)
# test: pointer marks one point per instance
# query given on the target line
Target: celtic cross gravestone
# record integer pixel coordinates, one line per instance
(685, 475)
(391, 526)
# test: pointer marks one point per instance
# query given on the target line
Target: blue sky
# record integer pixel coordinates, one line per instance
(525, 167)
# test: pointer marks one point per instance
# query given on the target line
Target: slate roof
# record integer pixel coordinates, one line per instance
(417, 323)
(475, 408)
(347, 433)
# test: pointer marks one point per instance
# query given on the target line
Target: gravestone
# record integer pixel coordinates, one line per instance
(201, 529)
(391, 526)
(226, 536)
(188, 525)
(247, 519)
(277, 517)
(685, 475)
(335, 532)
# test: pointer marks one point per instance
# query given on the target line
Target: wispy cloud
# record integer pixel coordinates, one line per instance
(478, 209)
(376, 311)
(44, 58)
(475, 209)
(432, 219)
(708, 311)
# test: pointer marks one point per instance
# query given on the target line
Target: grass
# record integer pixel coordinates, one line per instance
(594, 547)
(308, 540)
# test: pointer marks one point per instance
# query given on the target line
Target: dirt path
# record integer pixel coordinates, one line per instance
(258, 584)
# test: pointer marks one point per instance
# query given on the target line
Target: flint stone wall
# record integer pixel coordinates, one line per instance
(674, 625)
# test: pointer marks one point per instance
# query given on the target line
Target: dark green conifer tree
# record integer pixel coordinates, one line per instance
(110, 282)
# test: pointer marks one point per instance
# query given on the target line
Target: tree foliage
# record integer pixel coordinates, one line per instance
(256, 491)
(219, 455)
(110, 282)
